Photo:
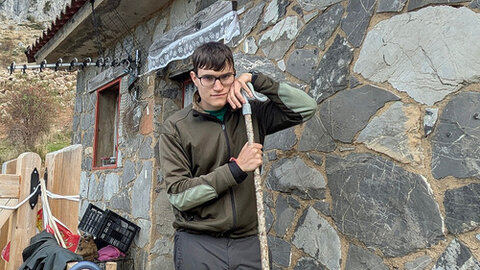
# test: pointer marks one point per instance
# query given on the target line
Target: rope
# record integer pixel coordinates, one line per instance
(75, 198)
(22, 202)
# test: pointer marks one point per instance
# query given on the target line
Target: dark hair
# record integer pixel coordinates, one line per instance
(212, 55)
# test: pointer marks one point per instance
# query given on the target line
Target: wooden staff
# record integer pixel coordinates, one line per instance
(262, 228)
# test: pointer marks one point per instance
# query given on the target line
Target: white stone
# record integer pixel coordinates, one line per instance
(271, 13)
(428, 53)
(250, 46)
(281, 65)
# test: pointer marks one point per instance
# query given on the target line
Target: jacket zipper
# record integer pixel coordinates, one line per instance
(232, 197)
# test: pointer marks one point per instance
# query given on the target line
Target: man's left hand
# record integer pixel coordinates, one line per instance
(235, 97)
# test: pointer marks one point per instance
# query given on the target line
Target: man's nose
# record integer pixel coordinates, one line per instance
(217, 85)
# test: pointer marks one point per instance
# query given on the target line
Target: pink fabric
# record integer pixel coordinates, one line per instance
(109, 253)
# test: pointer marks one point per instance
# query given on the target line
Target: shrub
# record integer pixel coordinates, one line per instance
(28, 113)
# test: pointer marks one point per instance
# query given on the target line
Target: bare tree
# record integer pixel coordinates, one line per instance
(27, 112)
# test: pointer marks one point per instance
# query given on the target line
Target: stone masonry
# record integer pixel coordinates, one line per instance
(387, 173)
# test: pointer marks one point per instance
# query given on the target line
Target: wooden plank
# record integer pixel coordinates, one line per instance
(24, 218)
(9, 167)
(111, 266)
(5, 214)
(3, 242)
(9, 186)
(64, 169)
(69, 265)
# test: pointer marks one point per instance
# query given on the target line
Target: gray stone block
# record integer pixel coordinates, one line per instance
(248, 22)
(390, 5)
(415, 4)
(141, 192)
(419, 263)
(317, 159)
(275, 10)
(356, 22)
(302, 64)
(276, 42)
(333, 70)
(323, 207)
(285, 216)
(281, 140)
(128, 173)
(456, 138)
(311, 230)
(475, 4)
(348, 112)
(280, 250)
(294, 176)
(310, 5)
(308, 264)
(146, 149)
(111, 186)
(121, 201)
(382, 205)
(359, 258)
(315, 137)
(319, 30)
(459, 204)
(457, 256)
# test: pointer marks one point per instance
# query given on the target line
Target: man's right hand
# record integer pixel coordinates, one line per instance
(250, 157)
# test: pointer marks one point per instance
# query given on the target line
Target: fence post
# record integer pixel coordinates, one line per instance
(9, 167)
(64, 169)
(24, 219)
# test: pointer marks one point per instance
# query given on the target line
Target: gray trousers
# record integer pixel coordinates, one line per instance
(198, 251)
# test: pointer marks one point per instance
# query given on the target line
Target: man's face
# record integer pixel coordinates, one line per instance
(213, 86)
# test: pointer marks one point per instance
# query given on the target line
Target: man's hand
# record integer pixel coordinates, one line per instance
(250, 157)
(235, 98)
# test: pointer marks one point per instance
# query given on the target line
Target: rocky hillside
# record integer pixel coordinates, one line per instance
(16, 33)
(32, 10)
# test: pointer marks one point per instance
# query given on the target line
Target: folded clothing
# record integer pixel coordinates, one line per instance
(109, 253)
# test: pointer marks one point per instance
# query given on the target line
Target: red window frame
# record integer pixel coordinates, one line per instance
(95, 138)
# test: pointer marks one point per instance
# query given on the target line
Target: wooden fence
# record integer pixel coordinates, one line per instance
(18, 226)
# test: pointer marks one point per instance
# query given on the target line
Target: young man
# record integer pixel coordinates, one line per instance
(208, 165)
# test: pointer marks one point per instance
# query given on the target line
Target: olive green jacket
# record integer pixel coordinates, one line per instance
(195, 149)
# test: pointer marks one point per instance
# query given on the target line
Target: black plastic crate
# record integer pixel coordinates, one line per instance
(109, 227)
(92, 220)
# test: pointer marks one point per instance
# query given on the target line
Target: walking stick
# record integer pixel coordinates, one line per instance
(262, 229)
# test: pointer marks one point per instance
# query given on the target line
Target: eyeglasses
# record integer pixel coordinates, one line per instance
(209, 80)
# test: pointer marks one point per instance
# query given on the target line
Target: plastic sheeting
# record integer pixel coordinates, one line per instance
(179, 43)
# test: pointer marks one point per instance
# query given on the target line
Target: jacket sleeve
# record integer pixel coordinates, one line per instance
(287, 105)
(183, 190)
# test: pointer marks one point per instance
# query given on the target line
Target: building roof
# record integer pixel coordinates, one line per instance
(73, 35)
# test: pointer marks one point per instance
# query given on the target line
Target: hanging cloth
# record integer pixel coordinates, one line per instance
(218, 21)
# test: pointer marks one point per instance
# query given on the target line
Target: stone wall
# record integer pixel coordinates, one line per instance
(385, 176)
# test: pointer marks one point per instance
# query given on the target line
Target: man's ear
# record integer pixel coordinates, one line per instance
(193, 76)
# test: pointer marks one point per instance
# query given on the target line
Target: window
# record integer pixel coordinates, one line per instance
(105, 147)
(187, 90)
